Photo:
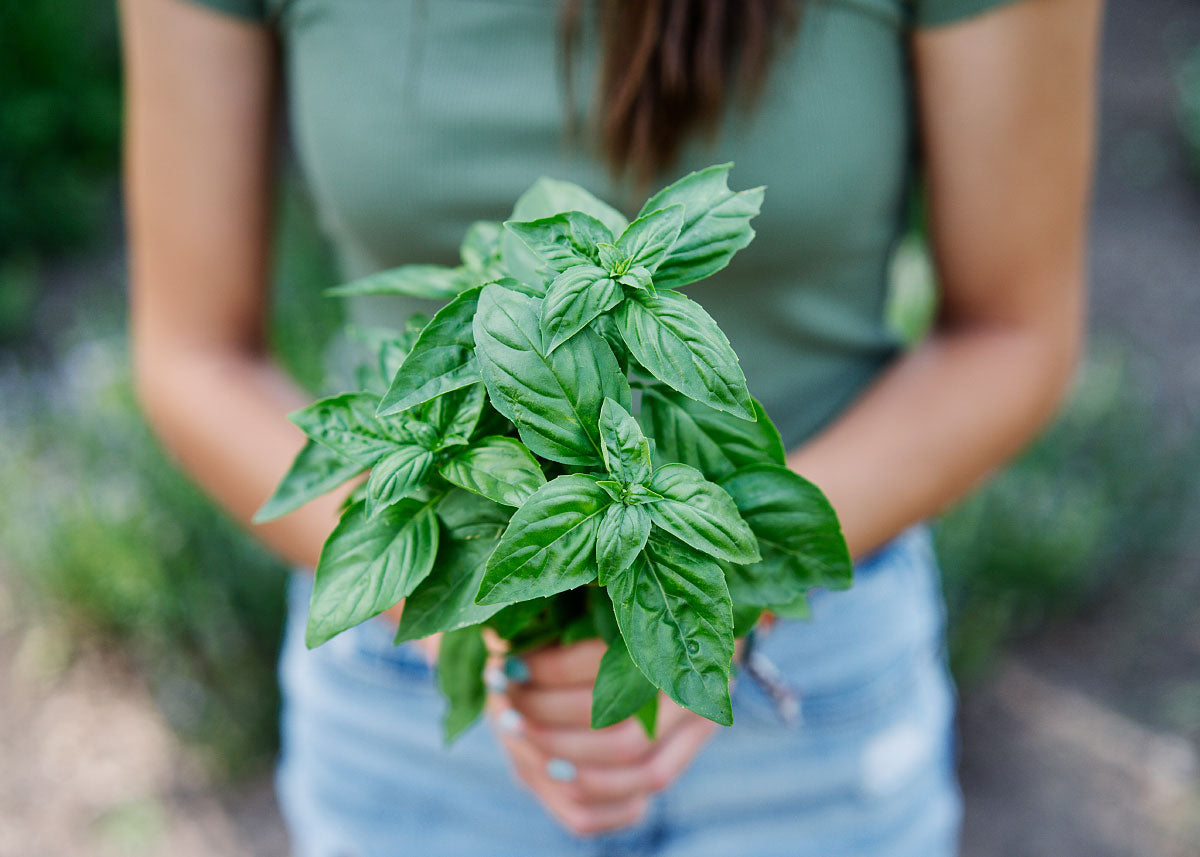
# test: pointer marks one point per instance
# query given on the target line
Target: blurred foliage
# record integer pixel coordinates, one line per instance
(59, 131)
(106, 531)
(1081, 513)
(104, 528)
(1187, 80)
(1098, 494)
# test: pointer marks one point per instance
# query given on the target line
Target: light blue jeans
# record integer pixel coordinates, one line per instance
(867, 769)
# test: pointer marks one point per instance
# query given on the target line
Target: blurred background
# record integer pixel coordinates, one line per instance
(138, 627)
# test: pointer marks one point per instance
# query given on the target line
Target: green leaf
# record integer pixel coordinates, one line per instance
(368, 565)
(675, 614)
(316, 470)
(621, 689)
(604, 327)
(649, 238)
(468, 516)
(385, 349)
(716, 224)
(432, 282)
(554, 399)
(700, 514)
(564, 240)
(397, 475)
(680, 345)
(576, 296)
(461, 659)
(445, 600)
(625, 449)
(549, 545)
(647, 715)
(714, 442)
(499, 468)
(548, 197)
(347, 424)
(453, 415)
(797, 531)
(442, 359)
(620, 538)
(745, 616)
(480, 250)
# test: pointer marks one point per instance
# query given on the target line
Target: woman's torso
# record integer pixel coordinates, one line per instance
(411, 119)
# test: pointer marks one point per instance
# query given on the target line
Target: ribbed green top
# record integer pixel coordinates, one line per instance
(412, 118)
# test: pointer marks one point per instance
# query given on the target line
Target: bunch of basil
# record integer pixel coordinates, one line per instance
(511, 485)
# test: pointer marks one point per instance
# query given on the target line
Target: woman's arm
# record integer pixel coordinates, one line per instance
(1007, 113)
(199, 169)
(1006, 104)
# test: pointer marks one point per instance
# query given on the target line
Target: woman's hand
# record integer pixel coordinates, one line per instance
(591, 780)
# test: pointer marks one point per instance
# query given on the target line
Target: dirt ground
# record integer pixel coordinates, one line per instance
(1085, 743)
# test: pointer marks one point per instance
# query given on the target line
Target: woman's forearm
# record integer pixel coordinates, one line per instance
(221, 413)
(942, 418)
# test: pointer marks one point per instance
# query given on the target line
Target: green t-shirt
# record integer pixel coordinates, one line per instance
(413, 118)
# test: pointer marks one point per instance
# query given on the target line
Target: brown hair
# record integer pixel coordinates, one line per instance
(669, 68)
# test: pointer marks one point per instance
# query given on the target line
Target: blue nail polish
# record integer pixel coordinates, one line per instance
(509, 721)
(516, 669)
(561, 770)
(494, 680)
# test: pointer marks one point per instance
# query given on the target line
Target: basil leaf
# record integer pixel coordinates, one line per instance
(549, 545)
(347, 424)
(716, 224)
(625, 449)
(604, 327)
(441, 360)
(620, 538)
(648, 239)
(680, 345)
(621, 689)
(797, 530)
(468, 516)
(674, 612)
(445, 600)
(397, 475)
(714, 442)
(577, 296)
(315, 470)
(564, 240)
(480, 249)
(432, 282)
(367, 566)
(700, 514)
(461, 658)
(385, 352)
(453, 415)
(745, 616)
(548, 197)
(797, 609)
(554, 399)
(498, 468)
(647, 715)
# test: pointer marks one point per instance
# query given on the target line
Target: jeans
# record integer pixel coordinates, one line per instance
(866, 769)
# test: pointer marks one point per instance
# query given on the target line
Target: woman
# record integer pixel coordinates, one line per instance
(412, 118)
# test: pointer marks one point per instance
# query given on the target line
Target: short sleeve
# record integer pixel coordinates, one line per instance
(250, 10)
(935, 13)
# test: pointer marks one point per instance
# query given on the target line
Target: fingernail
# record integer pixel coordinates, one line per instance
(495, 680)
(509, 721)
(516, 669)
(561, 770)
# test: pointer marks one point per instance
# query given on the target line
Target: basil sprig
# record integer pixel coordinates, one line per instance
(514, 486)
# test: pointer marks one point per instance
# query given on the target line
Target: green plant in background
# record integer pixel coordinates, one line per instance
(110, 536)
(105, 531)
(511, 486)
(1187, 83)
(59, 129)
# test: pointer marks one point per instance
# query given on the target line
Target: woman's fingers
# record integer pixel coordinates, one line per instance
(569, 707)
(565, 666)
